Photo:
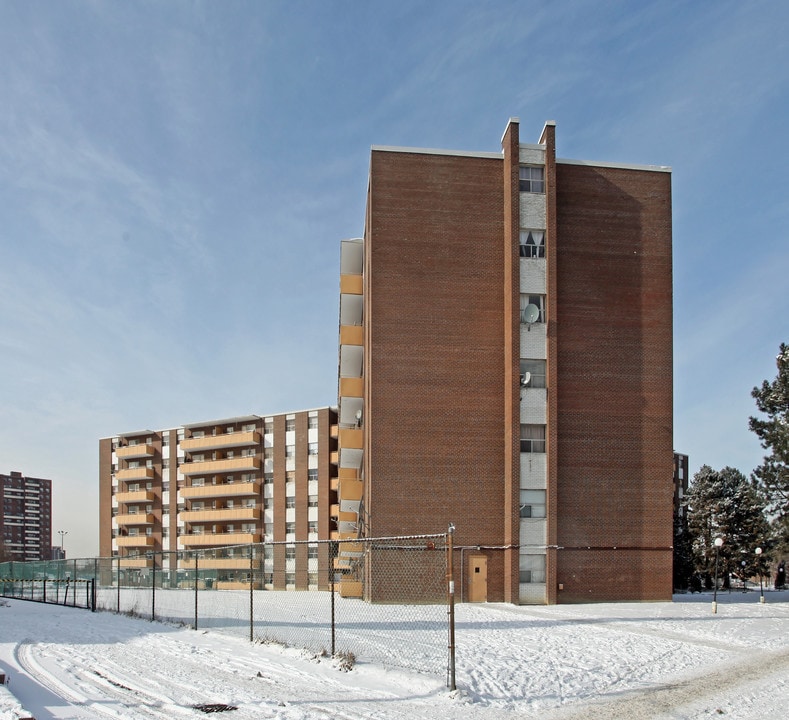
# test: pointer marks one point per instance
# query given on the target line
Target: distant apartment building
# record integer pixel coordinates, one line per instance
(25, 517)
(680, 482)
(222, 484)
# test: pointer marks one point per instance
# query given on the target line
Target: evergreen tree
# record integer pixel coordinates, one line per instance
(772, 399)
(725, 504)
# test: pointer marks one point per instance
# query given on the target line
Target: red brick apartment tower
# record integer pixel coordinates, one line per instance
(25, 517)
(505, 365)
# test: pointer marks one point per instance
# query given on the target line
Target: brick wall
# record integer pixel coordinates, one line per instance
(614, 387)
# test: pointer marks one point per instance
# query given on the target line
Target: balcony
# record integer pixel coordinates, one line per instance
(220, 515)
(138, 473)
(218, 539)
(351, 387)
(134, 541)
(351, 335)
(351, 439)
(135, 519)
(137, 496)
(215, 564)
(196, 492)
(351, 285)
(136, 562)
(128, 452)
(350, 495)
(216, 442)
(350, 588)
(219, 467)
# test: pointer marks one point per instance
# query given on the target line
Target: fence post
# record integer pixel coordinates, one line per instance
(93, 595)
(197, 575)
(251, 593)
(332, 554)
(45, 589)
(153, 586)
(118, 571)
(451, 604)
(74, 592)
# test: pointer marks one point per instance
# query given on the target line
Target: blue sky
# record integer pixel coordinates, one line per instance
(175, 179)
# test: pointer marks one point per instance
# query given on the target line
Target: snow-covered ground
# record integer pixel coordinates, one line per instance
(652, 660)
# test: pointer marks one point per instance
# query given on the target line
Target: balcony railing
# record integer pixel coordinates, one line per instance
(220, 515)
(226, 440)
(134, 541)
(218, 467)
(218, 539)
(195, 492)
(135, 519)
(135, 496)
(138, 473)
(127, 452)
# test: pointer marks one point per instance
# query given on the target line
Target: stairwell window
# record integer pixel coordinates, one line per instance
(532, 373)
(532, 568)
(532, 244)
(532, 504)
(532, 438)
(532, 179)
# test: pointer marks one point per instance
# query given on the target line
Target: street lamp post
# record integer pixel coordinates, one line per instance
(718, 543)
(62, 534)
(759, 568)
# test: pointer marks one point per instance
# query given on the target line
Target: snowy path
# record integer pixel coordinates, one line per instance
(658, 661)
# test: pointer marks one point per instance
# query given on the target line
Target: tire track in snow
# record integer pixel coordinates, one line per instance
(666, 701)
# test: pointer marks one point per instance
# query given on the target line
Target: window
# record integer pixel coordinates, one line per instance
(268, 453)
(312, 422)
(290, 528)
(532, 179)
(268, 427)
(533, 373)
(290, 424)
(290, 476)
(312, 501)
(532, 309)
(532, 568)
(268, 478)
(290, 579)
(312, 579)
(313, 448)
(290, 552)
(533, 438)
(290, 502)
(532, 244)
(532, 504)
(312, 474)
(312, 551)
(290, 451)
(312, 526)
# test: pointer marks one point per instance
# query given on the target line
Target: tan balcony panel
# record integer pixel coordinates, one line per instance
(334, 484)
(216, 564)
(351, 284)
(350, 491)
(221, 515)
(128, 452)
(350, 588)
(134, 541)
(135, 519)
(351, 439)
(226, 440)
(136, 496)
(351, 549)
(219, 539)
(136, 562)
(218, 467)
(351, 387)
(140, 473)
(194, 492)
(351, 335)
(334, 457)
(334, 431)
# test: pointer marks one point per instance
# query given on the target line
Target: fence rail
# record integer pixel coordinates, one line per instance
(382, 600)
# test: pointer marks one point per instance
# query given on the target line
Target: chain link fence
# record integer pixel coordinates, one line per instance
(381, 600)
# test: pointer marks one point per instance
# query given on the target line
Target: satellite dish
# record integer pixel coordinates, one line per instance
(525, 379)
(530, 313)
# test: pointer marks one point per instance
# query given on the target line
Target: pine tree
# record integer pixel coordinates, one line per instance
(725, 504)
(772, 399)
